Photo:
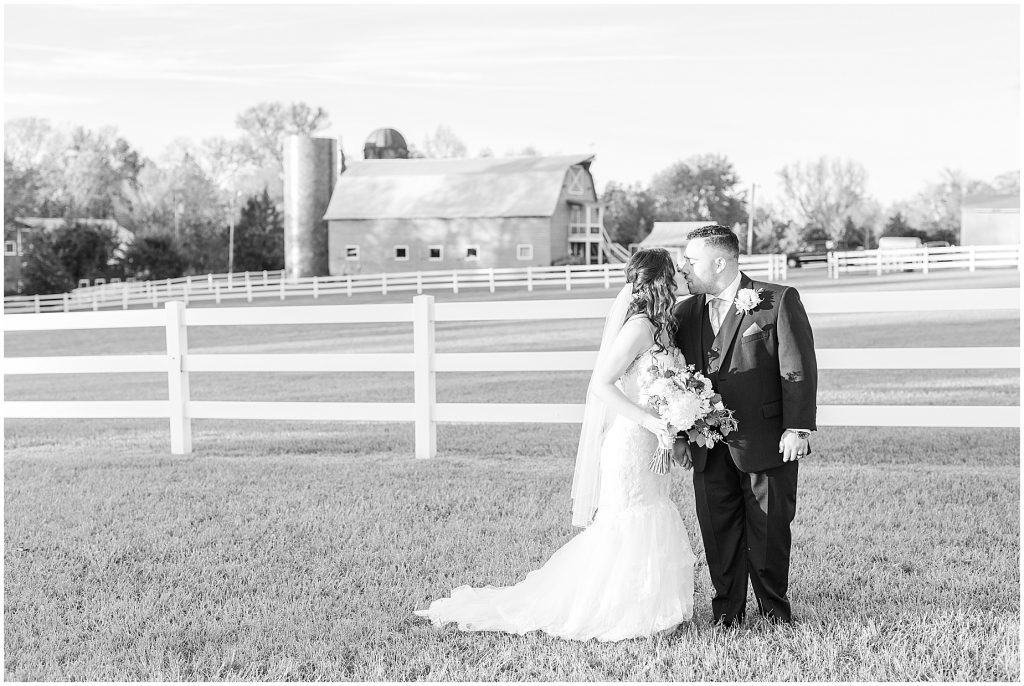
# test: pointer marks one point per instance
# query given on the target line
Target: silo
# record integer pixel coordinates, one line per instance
(310, 172)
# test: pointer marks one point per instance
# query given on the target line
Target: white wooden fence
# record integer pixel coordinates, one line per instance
(425, 363)
(255, 285)
(924, 259)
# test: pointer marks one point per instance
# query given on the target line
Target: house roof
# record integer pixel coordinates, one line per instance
(991, 202)
(670, 234)
(52, 223)
(451, 188)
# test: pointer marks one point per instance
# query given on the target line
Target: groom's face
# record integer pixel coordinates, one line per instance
(702, 267)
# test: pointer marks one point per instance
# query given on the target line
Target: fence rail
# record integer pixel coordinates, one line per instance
(251, 286)
(924, 259)
(425, 363)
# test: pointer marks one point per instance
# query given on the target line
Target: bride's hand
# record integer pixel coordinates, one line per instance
(656, 425)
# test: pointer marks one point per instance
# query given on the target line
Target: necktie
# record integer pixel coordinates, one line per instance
(714, 314)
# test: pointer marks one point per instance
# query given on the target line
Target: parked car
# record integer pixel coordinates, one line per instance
(810, 253)
(899, 242)
(937, 244)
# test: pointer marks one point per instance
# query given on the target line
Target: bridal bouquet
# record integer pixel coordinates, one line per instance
(684, 397)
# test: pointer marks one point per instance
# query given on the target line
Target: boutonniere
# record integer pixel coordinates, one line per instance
(747, 300)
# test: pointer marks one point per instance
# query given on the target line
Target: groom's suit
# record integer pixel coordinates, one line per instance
(762, 362)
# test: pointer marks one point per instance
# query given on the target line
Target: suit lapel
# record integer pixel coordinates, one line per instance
(727, 331)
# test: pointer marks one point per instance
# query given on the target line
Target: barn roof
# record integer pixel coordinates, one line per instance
(451, 188)
(670, 234)
(991, 202)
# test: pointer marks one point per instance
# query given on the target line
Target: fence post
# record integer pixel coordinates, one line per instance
(607, 275)
(248, 290)
(124, 299)
(455, 282)
(529, 279)
(784, 262)
(216, 290)
(970, 258)
(177, 378)
(568, 278)
(282, 289)
(67, 305)
(266, 280)
(419, 283)
(424, 376)
(925, 269)
(879, 262)
(383, 284)
(209, 281)
(348, 285)
(37, 304)
(316, 287)
(152, 292)
(490, 276)
(96, 304)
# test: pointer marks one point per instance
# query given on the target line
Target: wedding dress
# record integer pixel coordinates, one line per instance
(629, 574)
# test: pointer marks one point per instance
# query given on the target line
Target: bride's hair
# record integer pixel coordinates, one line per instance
(653, 275)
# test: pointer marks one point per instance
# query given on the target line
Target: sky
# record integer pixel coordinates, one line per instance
(905, 90)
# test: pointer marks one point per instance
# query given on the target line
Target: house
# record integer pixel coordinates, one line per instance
(398, 215)
(990, 220)
(17, 239)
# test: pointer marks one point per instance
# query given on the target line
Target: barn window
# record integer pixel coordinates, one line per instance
(351, 252)
(435, 252)
(577, 186)
(524, 251)
(472, 252)
(10, 248)
(402, 253)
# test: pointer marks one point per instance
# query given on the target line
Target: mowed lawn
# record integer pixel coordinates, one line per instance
(289, 550)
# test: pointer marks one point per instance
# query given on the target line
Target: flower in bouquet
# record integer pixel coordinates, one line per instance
(686, 399)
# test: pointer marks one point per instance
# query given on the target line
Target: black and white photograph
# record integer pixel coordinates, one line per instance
(489, 342)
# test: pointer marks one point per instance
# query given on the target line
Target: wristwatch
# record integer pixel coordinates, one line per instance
(801, 433)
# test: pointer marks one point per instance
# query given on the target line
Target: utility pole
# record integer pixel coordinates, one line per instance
(750, 221)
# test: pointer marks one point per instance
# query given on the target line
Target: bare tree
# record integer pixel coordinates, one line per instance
(823, 193)
(267, 123)
(443, 143)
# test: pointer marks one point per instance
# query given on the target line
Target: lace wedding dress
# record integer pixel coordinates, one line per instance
(629, 574)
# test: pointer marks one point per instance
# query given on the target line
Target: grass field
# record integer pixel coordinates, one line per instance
(288, 550)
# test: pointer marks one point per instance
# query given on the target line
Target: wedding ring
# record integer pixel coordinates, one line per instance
(799, 454)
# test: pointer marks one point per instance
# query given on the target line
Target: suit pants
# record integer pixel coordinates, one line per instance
(744, 521)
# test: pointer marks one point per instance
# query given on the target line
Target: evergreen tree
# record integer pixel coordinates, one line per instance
(259, 235)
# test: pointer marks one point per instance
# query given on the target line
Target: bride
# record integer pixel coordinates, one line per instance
(630, 572)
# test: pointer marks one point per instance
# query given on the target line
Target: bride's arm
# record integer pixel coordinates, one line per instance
(634, 338)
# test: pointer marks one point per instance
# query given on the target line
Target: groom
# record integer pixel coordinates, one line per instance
(753, 340)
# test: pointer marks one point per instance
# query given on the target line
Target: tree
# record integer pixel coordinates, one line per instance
(1008, 183)
(101, 172)
(898, 226)
(443, 143)
(259, 235)
(154, 257)
(701, 188)
(86, 252)
(42, 271)
(628, 212)
(267, 124)
(823, 193)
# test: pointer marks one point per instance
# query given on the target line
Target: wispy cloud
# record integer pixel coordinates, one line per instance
(38, 98)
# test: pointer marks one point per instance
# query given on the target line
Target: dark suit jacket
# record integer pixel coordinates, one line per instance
(768, 378)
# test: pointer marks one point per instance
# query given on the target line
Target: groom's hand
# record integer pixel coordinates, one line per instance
(793, 445)
(681, 454)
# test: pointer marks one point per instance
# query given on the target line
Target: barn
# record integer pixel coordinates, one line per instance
(990, 220)
(396, 215)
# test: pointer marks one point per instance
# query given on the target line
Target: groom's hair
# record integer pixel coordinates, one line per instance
(720, 237)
